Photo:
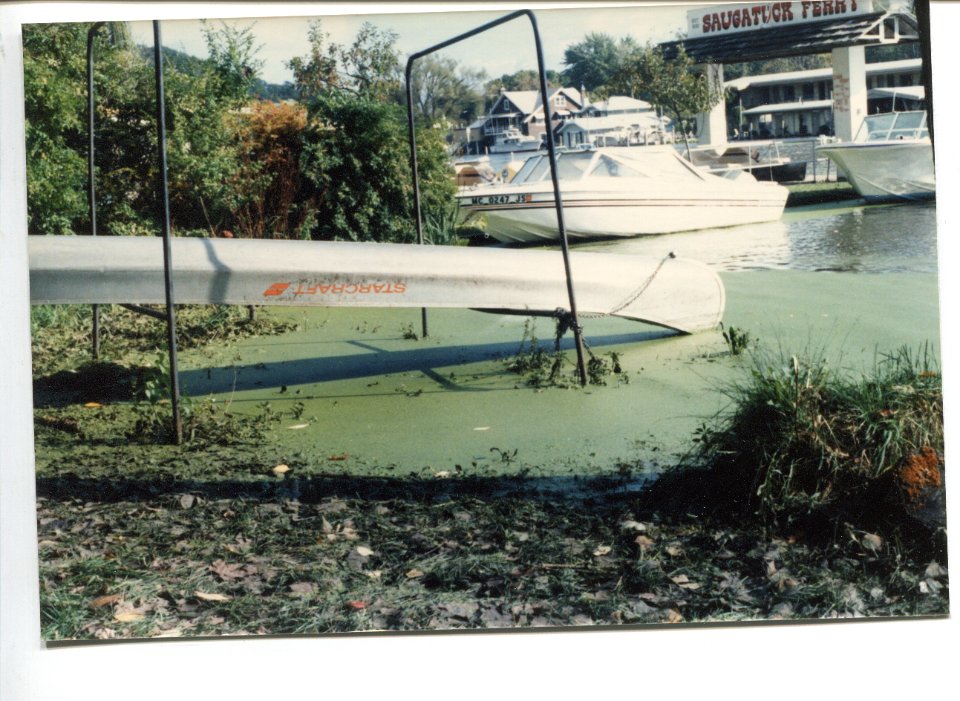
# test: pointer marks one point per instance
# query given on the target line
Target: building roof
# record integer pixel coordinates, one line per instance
(620, 103)
(613, 121)
(749, 81)
(815, 37)
(528, 101)
(908, 92)
(790, 107)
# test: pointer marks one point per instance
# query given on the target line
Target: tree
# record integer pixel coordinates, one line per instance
(370, 66)
(593, 62)
(55, 102)
(356, 155)
(204, 149)
(233, 60)
(441, 91)
(280, 200)
(673, 85)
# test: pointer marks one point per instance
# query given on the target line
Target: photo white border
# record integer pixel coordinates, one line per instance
(869, 659)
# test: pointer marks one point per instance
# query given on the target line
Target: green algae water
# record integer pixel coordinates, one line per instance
(360, 393)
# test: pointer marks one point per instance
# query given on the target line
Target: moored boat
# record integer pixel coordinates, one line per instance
(891, 157)
(514, 141)
(761, 159)
(613, 192)
(675, 293)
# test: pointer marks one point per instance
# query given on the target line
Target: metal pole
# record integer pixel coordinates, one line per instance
(417, 213)
(91, 178)
(551, 151)
(165, 224)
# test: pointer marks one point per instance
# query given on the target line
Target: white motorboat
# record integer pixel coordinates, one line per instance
(675, 293)
(514, 141)
(613, 192)
(891, 157)
(761, 159)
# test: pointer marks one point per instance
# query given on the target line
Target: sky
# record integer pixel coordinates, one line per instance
(506, 49)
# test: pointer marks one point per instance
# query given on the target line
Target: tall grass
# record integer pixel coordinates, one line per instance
(801, 435)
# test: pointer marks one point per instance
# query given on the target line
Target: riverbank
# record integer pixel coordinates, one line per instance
(802, 194)
(348, 475)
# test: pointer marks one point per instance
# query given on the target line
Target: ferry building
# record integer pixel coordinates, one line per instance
(828, 101)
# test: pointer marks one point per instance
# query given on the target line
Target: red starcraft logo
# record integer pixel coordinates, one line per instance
(275, 289)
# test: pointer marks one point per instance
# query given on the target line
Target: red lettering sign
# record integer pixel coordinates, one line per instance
(723, 19)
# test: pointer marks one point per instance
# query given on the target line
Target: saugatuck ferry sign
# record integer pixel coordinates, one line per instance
(727, 19)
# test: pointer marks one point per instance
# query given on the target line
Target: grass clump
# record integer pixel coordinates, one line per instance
(804, 437)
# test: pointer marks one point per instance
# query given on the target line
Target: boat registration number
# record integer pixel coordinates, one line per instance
(502, 199)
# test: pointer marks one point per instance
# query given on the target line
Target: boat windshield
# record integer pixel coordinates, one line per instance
(638, 162)
(893, 126)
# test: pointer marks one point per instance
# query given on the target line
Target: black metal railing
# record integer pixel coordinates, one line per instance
(573, 320)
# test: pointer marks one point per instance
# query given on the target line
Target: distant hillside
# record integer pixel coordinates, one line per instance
(191, 65)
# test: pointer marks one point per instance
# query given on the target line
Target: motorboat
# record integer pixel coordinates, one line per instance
(514, 141)
(761, 159)
(615, 192)
(663, 290)
(890, 158)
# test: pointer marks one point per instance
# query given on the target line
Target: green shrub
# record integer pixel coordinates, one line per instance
(801, 435)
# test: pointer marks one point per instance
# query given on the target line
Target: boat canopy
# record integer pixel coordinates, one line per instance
(894, 126)
(636, 162)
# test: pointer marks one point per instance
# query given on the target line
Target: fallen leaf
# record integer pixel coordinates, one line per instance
(414, 574)
(281, 469)
(363, 551)
(93, 405)
(128, 616)
(674, 616)
(602, 550)
(187, 501)
(297, 426)
(674, 550)
(227, 570)
(374, 574)
(303, 587)
(643, 541)
(338, 457)
(443, 474)
(101, 601)
(210, 596)
(634, 526)
(482, 428)
(872, 542)
(357, 605)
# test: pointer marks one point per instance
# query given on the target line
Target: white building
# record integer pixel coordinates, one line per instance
(800, 103)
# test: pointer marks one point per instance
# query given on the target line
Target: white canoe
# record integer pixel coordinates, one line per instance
(679, 294)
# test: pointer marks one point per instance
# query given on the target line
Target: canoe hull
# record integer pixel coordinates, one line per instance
(679, 294)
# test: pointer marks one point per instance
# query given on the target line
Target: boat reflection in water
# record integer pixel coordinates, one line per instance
(619, 192)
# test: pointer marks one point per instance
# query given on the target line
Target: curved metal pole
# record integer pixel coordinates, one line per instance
(551, 152)
(91, 177)
(165, 224)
